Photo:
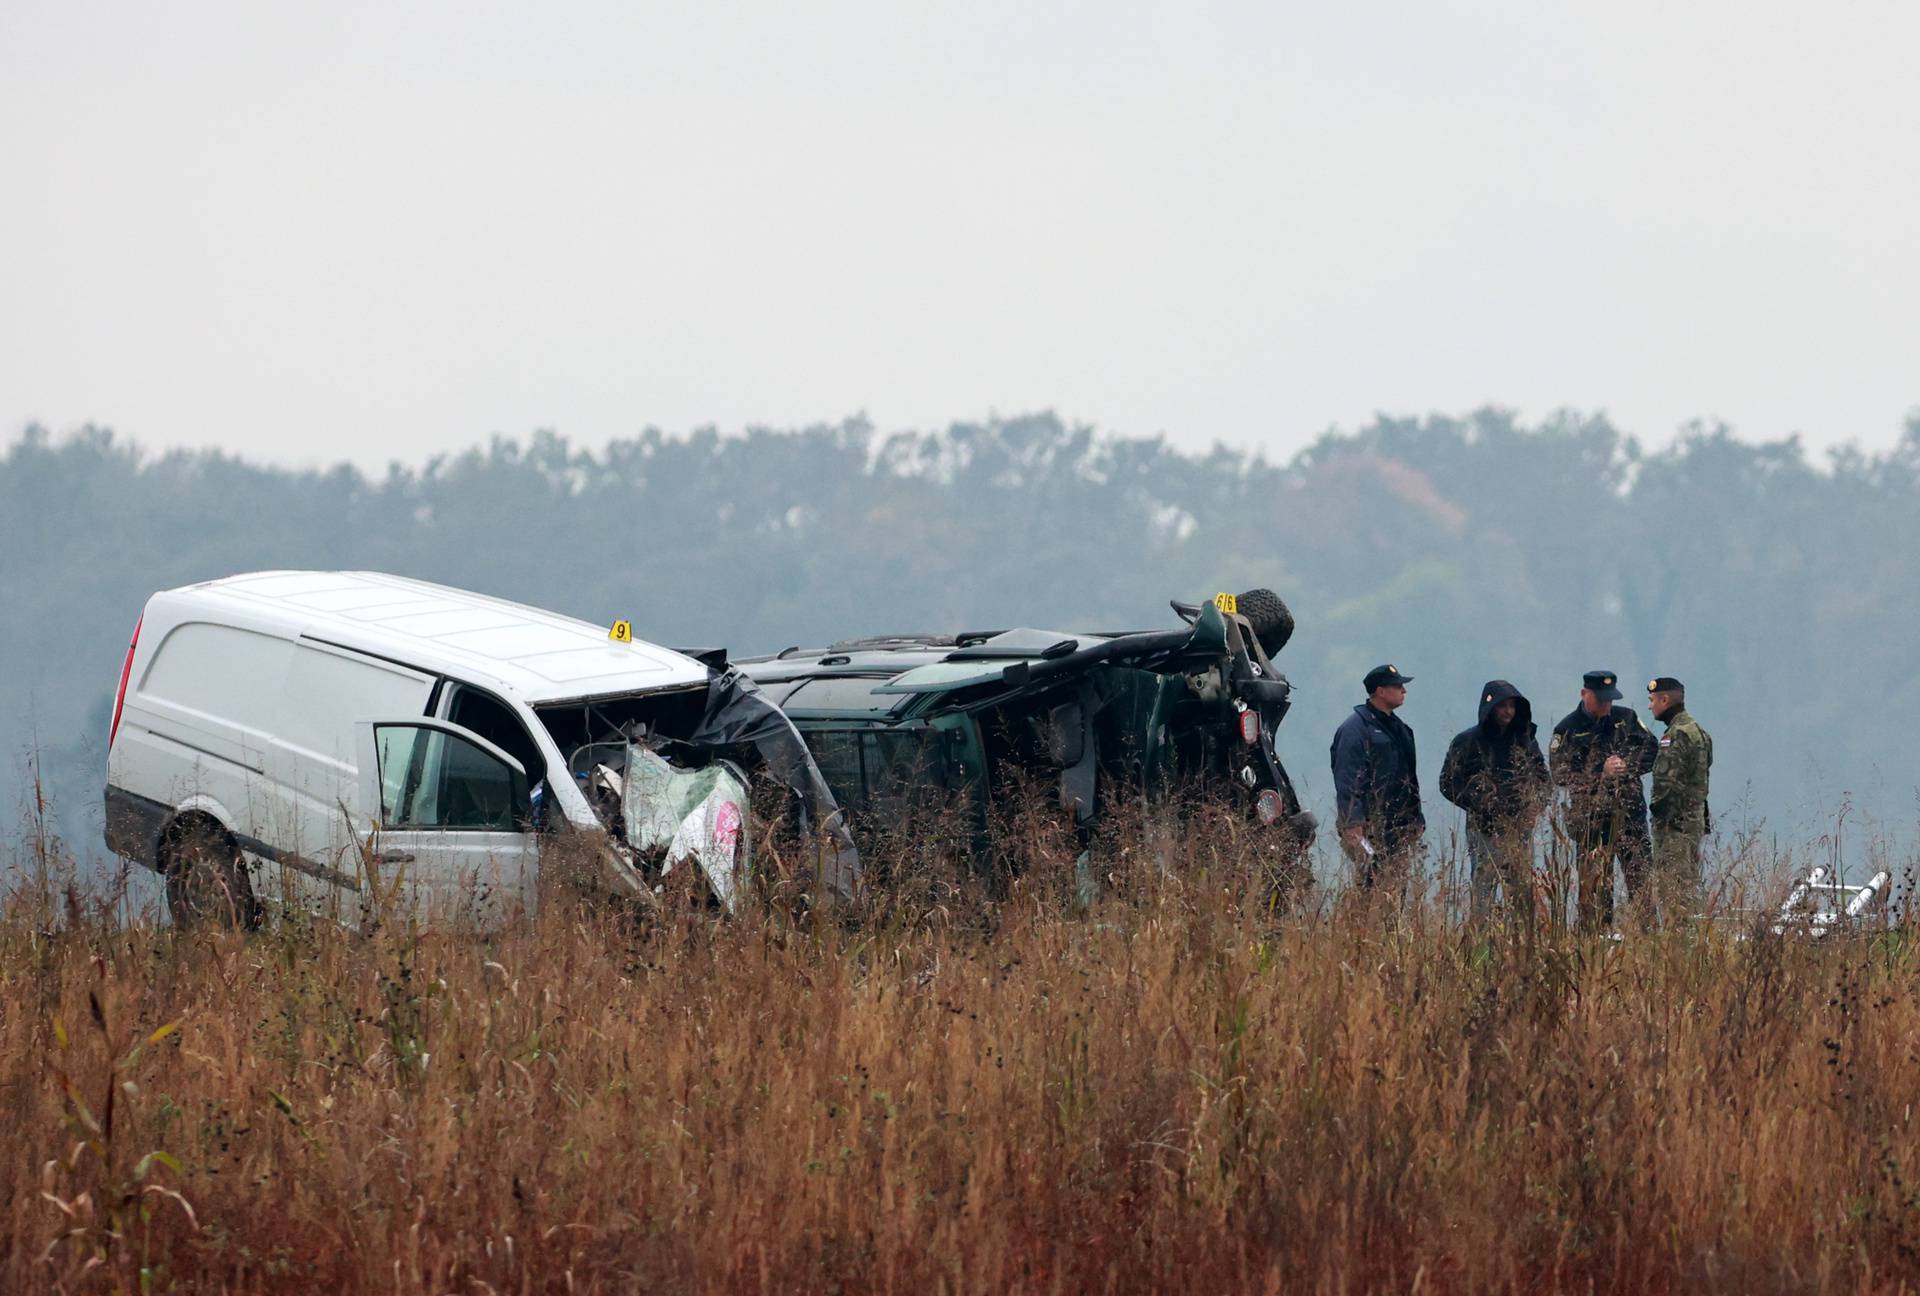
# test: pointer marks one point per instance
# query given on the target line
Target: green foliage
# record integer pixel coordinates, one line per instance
(1461, 549)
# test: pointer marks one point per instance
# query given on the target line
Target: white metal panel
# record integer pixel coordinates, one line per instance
(539, 655)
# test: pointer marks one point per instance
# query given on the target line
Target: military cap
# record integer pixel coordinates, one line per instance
(1665, 684)
(1381, 676)
(1604, 684)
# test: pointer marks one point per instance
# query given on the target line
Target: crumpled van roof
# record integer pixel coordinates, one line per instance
(540, 655)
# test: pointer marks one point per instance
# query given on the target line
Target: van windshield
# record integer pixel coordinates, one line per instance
(727, 718)
(578, 727)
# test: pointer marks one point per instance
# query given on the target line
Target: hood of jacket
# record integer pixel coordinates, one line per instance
(1492, 694)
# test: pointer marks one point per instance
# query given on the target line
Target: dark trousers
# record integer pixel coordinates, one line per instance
(1396, 848)
(1501, 857)
(1601, 839)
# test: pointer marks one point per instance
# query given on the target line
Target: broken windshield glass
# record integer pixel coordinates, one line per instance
(729, 718)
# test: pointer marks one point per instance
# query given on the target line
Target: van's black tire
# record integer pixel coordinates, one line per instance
(1272, 622)
(206, 881)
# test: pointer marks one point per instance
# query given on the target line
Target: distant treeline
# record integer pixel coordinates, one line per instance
(1784, 593)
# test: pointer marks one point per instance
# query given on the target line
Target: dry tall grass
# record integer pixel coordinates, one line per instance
(1178, 1091)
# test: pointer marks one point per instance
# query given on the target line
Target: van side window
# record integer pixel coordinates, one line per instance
(875, 769)
(837, 753)
(899, 761)
(496, 722)
(433, 779)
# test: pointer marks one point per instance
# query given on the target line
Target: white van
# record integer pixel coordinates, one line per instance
(318, 736)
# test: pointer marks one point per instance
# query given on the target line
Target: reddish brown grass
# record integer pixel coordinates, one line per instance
(1176, 1091)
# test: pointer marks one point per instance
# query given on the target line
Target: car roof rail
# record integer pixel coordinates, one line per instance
(883, 642)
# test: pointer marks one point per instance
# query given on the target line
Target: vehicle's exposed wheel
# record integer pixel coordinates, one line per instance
(1269, 617)
(206, 881)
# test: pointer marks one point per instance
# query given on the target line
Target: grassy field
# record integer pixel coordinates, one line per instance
(948, 1091)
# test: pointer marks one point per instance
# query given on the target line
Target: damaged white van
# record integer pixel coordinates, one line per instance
(318, 737)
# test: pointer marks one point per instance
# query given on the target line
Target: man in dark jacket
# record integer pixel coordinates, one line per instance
(1377, 784)
(1599, 754)
(1495, 772)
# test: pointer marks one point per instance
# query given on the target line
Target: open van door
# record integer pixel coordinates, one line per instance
(454, 817)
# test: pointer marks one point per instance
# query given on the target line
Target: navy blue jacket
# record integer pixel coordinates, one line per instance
(1578, 755)
(1374, 775)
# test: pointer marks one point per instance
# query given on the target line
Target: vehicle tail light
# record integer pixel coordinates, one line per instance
(1267, 807)
(120, 698)
(1249, 727)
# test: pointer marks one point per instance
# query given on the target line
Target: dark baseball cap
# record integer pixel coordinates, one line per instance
(1604, 684)
(1380, 676)
(1665, 684)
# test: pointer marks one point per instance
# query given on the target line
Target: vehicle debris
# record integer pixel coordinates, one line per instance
(1102, 714)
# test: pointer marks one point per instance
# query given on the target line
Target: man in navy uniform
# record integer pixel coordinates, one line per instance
(1599, 754)
(1377, 784)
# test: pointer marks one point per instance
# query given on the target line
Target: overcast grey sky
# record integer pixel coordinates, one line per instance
(372, 231)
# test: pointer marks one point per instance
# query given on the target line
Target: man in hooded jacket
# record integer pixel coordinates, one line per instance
(1496, 772)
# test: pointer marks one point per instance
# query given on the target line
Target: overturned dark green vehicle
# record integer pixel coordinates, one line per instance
(1103, 715)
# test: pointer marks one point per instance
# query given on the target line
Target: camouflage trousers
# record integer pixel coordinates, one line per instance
(1677, 885)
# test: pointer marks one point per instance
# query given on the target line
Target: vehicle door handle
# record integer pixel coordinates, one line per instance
(394, 857)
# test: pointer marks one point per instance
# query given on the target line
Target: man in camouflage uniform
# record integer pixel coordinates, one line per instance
(1599, 754)
(1680, 816)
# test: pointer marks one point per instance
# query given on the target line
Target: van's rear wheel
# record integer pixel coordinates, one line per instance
(206, 881)
(1271, 619)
